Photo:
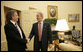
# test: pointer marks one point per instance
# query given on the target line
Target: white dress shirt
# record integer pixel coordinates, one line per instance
(17, 28)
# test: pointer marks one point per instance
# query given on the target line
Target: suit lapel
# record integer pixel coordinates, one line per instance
(22, 32)
(37, 27)
(20, 28)
(14, 28)
(43, 28)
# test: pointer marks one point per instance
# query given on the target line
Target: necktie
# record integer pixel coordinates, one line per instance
(18, 28)
(39, 31)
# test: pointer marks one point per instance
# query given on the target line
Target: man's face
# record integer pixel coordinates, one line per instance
(15, 17)
(39, 18)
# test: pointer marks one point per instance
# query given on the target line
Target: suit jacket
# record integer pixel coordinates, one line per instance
(46, 34)
(13, 37)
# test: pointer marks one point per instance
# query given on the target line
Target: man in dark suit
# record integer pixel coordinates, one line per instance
(42, 34)
(15, 37)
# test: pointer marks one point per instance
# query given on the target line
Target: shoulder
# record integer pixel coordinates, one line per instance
(46, 23)
(7, 25)
(35, 23)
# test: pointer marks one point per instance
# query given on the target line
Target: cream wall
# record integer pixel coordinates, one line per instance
(28, 16)
(64, 8)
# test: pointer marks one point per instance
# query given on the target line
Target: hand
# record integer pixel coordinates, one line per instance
(27, 40)
(50, 45)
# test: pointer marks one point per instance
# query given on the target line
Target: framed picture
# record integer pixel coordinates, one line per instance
(52, 11)
(73, 17)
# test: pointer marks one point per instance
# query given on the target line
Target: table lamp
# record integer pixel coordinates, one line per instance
(61, 26)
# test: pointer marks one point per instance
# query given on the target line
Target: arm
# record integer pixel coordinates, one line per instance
(49, 34)
(32, 33)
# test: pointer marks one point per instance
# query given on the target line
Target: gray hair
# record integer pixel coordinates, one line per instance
(40, 14)
(10, 13)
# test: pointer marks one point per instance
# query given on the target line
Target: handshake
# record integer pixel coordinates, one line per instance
(27, 40)
(50, 45)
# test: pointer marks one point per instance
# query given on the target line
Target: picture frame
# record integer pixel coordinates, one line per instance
(52, 11)
(73, 18)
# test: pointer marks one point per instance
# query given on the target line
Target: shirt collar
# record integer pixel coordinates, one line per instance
(40, 22)
(13, 22)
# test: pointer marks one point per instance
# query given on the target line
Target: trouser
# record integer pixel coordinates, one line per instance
(39, 46)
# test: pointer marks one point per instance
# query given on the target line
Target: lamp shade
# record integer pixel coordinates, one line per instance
(61, 25)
